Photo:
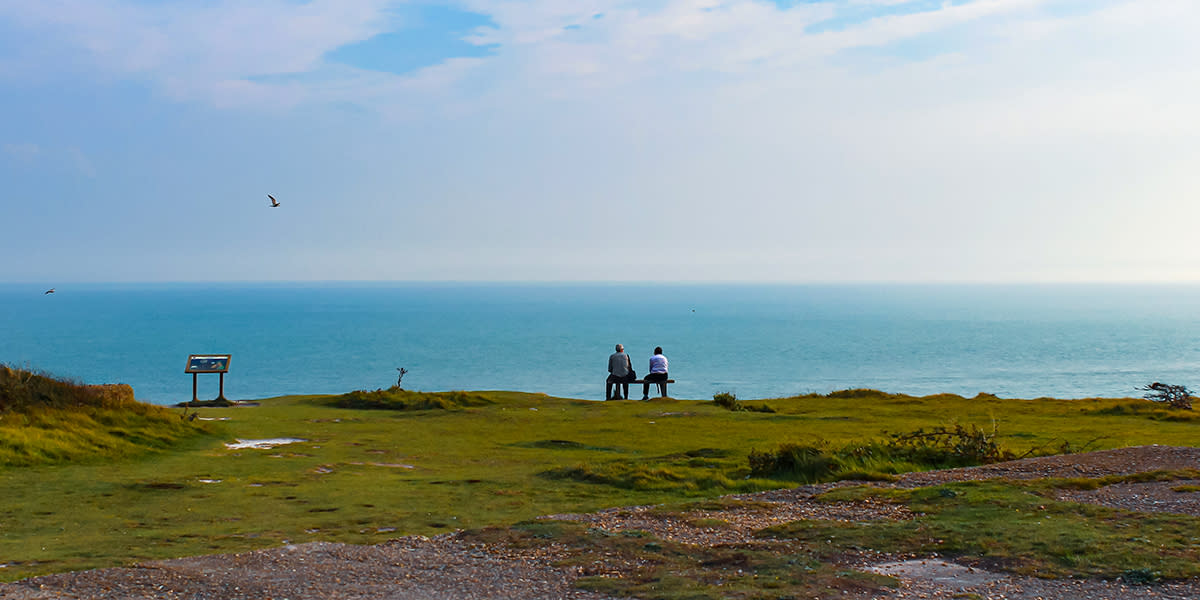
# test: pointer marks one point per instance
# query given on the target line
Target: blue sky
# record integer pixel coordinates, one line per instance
(597, 140)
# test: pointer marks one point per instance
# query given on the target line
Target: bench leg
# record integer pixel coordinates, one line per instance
(662, 388)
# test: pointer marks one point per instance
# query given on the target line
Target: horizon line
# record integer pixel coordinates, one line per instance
(592, 282)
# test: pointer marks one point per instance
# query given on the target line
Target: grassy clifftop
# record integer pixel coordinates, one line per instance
(44, 419)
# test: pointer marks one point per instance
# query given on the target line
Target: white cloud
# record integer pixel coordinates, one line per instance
(71, 158)
(227, 52)
(81, 162)
(207, 51)
(22, 151)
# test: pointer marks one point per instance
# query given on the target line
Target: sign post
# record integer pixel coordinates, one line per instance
(208, 363)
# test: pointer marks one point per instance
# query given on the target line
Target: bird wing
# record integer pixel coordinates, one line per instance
(273, 200)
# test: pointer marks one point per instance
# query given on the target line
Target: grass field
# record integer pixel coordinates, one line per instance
(389, 467)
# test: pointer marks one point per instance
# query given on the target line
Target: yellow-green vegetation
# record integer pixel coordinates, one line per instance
(44, 420)
(416, 467)
(1014, 526)
(1095, 483)
(395, 398)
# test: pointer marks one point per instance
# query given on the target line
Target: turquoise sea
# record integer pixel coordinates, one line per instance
(759, 341)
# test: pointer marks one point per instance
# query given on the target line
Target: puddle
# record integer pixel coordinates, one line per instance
(938, 571)
(209, 480)
(213, 419)
(261, 444)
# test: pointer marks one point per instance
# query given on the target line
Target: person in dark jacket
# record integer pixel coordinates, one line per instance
(619, 368)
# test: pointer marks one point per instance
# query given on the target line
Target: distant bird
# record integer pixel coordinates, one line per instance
(274, 202)
(49, 291)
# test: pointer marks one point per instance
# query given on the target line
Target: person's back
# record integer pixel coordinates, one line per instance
(618, 374)
(658, 363)
(618, 364)
(657, 374)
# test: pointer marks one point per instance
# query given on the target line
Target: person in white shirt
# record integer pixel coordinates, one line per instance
(658, 373)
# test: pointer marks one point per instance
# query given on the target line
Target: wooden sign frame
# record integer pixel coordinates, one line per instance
(208, 363)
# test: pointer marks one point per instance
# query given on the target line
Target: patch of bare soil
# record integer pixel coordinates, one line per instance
(449, 567)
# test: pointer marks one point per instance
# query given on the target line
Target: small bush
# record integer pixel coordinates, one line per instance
(859, 394)
(395, 398)
(941, 447)
(728, 401)
(1177, 396)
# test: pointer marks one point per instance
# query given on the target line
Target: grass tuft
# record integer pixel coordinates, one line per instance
(26, 390)
(45, 420)
(936, 448)
(395, 398)
(641, 477)
(1149, 410)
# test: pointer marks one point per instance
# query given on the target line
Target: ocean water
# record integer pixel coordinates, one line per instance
(758, 341)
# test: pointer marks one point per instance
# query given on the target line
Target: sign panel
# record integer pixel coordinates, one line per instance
(207, 363)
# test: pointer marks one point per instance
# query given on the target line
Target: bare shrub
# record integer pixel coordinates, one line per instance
(1177, 396)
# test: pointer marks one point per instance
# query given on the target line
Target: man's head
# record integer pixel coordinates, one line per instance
(658, 349)
(620, 348)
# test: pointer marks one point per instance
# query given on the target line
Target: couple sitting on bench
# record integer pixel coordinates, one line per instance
(621, 374)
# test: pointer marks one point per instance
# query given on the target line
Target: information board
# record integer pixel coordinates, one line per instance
(207, 363)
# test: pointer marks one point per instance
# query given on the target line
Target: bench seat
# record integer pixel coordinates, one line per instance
(662, 385)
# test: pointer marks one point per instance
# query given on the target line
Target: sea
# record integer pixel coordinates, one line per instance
(754, 340)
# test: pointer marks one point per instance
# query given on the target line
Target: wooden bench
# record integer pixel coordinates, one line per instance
(662, 385)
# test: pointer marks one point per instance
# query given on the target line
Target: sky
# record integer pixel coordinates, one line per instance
(600, 140)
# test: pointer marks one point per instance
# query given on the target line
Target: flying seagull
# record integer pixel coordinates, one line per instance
(274, 202)
(49, 291)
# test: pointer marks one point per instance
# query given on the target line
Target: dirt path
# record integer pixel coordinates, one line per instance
(449, 567)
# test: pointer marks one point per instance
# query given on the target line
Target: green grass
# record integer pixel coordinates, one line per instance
(365, 475)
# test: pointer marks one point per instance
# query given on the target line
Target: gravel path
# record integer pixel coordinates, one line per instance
(410, 568)
(450, 567)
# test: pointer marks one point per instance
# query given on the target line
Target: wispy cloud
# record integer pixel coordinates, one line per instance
(71, 158)
(207, 51)
(80, 161)
(232, 53)
(22, 151)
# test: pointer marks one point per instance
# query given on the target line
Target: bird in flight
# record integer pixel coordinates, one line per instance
(274, 202)
(49, 291)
